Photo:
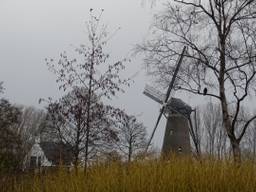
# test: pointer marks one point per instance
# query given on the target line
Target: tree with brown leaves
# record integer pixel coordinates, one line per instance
(91, 70)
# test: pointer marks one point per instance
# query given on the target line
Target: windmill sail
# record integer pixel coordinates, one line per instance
(167, 96)
(152, 93)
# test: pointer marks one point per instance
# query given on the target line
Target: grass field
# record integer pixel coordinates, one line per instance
(174, 175)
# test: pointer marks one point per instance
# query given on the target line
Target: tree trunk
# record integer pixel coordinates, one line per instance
(88, 111)
(76, 158)
(224, 106)
(76, 164)
(86, 152)
(230, 132)
(130, 152)
(236, 150)
(77, 150)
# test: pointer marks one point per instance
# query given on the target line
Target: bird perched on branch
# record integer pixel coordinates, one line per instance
(205, 91)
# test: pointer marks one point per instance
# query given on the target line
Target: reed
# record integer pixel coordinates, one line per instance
(176, 174)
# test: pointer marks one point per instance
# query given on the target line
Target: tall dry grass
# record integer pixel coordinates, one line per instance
(177, 174)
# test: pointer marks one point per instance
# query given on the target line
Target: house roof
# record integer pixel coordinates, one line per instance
(57, 152)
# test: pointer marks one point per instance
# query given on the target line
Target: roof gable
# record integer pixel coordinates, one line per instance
(57, 152)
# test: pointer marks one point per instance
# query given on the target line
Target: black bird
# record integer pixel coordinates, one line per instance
(205, 91)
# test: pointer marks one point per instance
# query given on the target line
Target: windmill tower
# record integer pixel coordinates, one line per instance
(176, 138)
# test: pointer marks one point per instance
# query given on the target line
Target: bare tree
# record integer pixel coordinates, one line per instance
(132, 137)
(30, 125)
(68, 117)
(220, 61)
(222, 144)
(214, 135)
(248, 141)
(213, 123)
(92, 70)
(1, 87)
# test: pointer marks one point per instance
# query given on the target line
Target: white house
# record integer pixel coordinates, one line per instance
(48, 154)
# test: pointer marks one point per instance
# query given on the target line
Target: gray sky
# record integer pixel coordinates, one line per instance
(32, 30)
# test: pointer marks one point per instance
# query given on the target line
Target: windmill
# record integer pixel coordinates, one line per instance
(176, 138)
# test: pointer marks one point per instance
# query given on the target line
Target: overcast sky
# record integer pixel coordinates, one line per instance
(32, 30)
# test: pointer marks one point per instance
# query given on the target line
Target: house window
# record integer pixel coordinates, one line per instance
(32, 162)
(180, 150)
(171, 132)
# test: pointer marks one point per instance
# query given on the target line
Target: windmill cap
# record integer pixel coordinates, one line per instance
(177, 105)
